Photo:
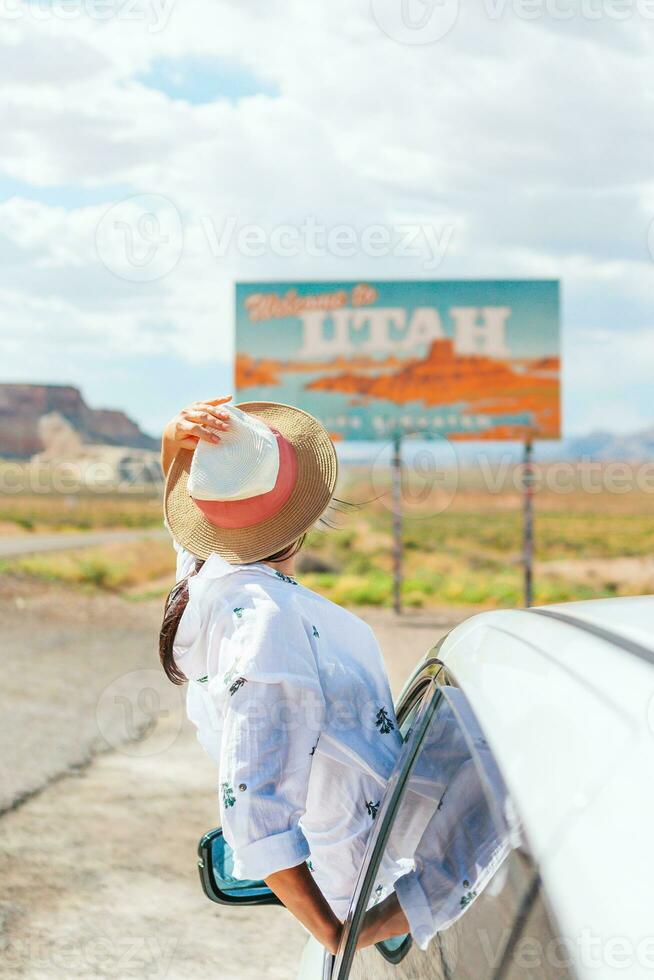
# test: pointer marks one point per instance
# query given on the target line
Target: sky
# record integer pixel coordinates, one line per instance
(156, 151)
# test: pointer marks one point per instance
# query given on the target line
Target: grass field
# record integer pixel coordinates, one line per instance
(587, 545)
(80, 512)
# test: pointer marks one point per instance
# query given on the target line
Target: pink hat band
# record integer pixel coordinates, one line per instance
(235, 514)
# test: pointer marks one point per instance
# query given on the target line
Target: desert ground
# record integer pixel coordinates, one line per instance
(105, 793)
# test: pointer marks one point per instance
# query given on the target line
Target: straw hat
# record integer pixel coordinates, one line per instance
(255, 492)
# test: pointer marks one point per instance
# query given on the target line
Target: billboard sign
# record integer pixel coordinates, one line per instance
(462, 359)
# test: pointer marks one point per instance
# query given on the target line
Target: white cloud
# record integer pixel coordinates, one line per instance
(530, 138)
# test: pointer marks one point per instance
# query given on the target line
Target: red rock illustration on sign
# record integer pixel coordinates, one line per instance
(494, 387)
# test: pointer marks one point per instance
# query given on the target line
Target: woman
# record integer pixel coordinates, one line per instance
(288, 691)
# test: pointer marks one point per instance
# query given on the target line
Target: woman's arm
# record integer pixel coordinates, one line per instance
(300, 894)
(200, 420)
(383, 921)
(296, 888)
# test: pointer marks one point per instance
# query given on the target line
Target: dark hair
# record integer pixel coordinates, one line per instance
(177, 602)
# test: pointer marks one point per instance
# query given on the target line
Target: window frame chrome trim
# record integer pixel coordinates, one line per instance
(392, 800)
(415, 689)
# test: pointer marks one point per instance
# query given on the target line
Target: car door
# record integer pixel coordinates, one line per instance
(501, 929)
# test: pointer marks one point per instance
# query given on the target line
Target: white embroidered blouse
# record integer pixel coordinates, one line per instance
(290, 697)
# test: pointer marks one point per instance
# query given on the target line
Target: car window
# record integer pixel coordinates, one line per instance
(449, 848)
(395, 948)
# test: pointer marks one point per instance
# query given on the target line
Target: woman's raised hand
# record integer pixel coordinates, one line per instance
(198, 421)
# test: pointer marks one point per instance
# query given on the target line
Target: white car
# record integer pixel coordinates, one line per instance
(559, 708)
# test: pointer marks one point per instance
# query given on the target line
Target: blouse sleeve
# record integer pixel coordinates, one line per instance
(272, 706)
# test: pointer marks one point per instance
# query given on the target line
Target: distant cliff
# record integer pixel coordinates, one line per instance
(22, 405)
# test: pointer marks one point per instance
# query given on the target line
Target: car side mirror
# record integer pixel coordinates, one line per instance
(216, 866)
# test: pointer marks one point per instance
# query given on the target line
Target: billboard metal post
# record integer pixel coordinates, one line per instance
(528, 520)
(396, 474)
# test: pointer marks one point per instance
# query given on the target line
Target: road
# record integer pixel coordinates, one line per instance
(31, 544)
(106, 793)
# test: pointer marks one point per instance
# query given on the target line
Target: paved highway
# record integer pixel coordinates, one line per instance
(32, 544)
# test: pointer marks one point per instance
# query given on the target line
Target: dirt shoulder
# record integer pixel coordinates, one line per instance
(64, 649)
